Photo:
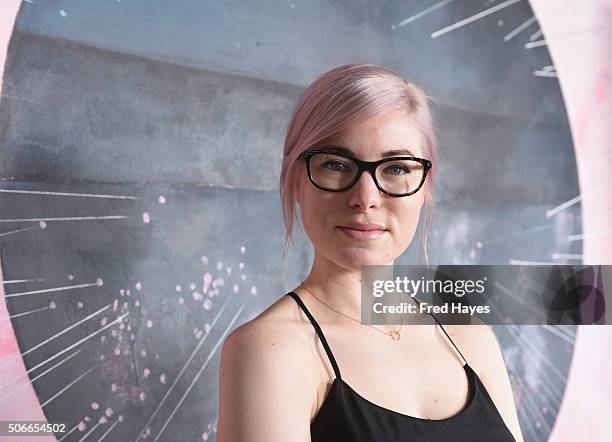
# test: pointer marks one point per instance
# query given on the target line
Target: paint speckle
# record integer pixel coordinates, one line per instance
(94, 406)
(149, 323)
(197, 296)
(146, 218)
(219, 265)
(103, 420)
(117, 351)
(138, 285)
(204, 260)
(52, 305)
(115, 304)
(136, 303)
(99, 282)
(241, 265)
(104, 321)
(79, 304)
(192, 286)
(500, 22)
(63, 13)
(207, 304)
(472, 253)
(162, 378)
(42, 225)
(178, 288)
(120, 418)
(242, 249)
(236, 288)
(479, 245)
(143, 353)
(207, 327)
(228, 270)
(161, 199)
(125, 305)
(206, 279)
(181, 300)
(122, 291)
(243, 277)
(82, 426)
(253, 290)
(109, 411)
(101, 357)
(146, 373)
(114, 333)
(393, 27)
(102, 338)
(142, 396)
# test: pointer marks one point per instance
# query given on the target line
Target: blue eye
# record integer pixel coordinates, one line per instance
(335, 166)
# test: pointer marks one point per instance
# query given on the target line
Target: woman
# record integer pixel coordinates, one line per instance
(279, 378)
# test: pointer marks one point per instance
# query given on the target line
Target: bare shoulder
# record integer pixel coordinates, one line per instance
(480, 347)
(261, 364)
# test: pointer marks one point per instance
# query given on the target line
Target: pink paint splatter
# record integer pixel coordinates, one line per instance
(146, 218)
(94, 406)
(178, 288)
(162, 378)
(42, 225)
(52, 305)
(207, 304)
(109, 412)
(253, 290)
(115, 304)
(242, 249)
(149, 323)
(113, 389)
(161, 199)
(138, 285)
(241, 265)
(104, 320)
(82, 426)
(142, 396)
(207, 279)
(99, 282)
(146, 373)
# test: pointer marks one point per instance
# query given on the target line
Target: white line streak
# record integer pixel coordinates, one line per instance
(69, 348)
(56, 335)
(74, 218)
(537, 263)
(550, 74)
(521, 233)
(90, 431)
(84, 195)
(212, 352)
(550, 67)
(69, 433)
(39, 376)
(14, 281)
(581, 236)
(193, 353)
(535, 35)
(108, 431)
(424, 12)
(519, 29)
(566, 256)
(59, 393)
(29, 312)
(473, 18)
(555, 331)
(535, 44)
(54, 289)
(571, 202)
(17, 231)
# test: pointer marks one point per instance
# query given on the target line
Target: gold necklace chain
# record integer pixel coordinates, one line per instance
(394, 334)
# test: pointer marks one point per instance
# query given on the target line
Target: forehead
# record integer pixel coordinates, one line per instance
(392, 133)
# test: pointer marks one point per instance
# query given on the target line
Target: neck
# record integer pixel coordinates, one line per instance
(336, 286)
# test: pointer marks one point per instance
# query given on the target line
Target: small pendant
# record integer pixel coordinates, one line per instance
(394, 335)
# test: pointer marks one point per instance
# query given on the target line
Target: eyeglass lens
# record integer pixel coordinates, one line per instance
(335, 172)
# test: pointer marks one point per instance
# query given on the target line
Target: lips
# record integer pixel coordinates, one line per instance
(368, 226)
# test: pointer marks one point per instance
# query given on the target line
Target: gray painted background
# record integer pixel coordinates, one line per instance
(182, 107)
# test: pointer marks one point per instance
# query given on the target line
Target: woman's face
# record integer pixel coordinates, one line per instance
(323, 212)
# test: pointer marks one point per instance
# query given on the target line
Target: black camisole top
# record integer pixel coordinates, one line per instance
(346, 416)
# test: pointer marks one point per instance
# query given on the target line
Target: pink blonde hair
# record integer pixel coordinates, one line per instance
(340, 99)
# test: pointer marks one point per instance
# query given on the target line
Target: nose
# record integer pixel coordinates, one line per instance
(364, 193)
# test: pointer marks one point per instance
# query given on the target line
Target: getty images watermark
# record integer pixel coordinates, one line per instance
(491, 294)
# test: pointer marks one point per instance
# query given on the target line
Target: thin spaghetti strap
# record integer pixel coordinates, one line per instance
(319, 332)
(436, 319)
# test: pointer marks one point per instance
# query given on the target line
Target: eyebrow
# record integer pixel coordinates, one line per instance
(388, 153)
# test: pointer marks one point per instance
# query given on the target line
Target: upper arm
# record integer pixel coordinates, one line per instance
(494, 376)
(264, 390)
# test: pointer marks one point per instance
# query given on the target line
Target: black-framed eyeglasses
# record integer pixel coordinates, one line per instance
(335, 172)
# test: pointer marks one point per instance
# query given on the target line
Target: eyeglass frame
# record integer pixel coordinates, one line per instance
(362, 166)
